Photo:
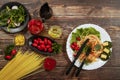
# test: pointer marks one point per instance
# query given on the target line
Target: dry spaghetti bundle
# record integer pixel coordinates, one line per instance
(21, 65)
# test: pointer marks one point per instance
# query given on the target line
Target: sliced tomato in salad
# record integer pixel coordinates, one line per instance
(35, 26)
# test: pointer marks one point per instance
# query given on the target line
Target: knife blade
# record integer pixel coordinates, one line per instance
(78, 54)
(80, 68)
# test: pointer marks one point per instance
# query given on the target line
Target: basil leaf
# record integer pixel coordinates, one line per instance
(56, 48)
(97, 47)
(9, 49)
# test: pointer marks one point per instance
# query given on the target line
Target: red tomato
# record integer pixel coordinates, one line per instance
(74, 54)
(50, 49)
(34, 44)
(41, 42)
(39, 39)
(48, 46)
(49, 64)
(13, 52)
(35, 26)
(38, 22)
(40, 48)
(45, 49)
(45, 40)
(74, 43)
(49, 42)
(77, 48)
(43, 46)
(8, 57)
(32, 22)
(78, 38)
(34, 29)
(36, 41)
(72, 46)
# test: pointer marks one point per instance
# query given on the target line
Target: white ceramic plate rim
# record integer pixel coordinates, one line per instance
(104, 37)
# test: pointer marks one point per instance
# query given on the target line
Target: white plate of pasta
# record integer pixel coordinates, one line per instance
(99, 41)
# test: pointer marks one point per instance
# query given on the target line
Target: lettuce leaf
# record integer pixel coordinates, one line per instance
(74, 35)
(82, 32)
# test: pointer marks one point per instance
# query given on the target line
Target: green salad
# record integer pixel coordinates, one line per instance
(82, 32)
(12, 17)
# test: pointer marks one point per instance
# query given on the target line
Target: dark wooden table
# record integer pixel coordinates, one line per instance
(69, 14)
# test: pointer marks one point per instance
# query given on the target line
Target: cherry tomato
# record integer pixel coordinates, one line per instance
(39, 39)
(74, 43)
(36, 41)
(72, 46)
(41, 42)
(48, 46)
(8, 57)
(49, 42)
(78, 38)
(77, 48)
(74, 54)
(40, 48)
(45, 49)
(45, 40)
(50, 49)
(43, 46)
(13, 52)
(34, 44)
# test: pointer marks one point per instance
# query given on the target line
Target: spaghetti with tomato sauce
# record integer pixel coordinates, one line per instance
(94, 54)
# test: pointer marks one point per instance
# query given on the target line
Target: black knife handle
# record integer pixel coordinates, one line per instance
(80, 68)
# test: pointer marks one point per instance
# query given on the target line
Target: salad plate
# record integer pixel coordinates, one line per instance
(104, 36)
(15, 17)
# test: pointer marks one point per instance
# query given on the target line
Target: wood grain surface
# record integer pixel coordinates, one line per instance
(69, 14)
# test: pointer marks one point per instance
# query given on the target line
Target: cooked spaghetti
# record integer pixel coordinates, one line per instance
(93, 41)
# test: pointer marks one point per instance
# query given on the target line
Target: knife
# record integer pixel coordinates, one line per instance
(80, 68)
(78, 54)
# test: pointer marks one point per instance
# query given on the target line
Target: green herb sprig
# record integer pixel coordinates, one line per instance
(56, 48)
(9, 49)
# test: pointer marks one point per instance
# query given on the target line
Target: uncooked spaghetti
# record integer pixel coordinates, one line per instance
(23, 64)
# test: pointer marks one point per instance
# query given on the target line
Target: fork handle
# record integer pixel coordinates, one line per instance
(70, 67)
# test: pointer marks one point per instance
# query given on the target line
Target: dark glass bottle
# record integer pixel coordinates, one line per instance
(45, 12)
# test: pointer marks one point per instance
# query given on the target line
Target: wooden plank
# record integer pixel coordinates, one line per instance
(104, 3)
(80, 11)
(2, 63)
(59, 72)
(75, 21)
(111, 3)
(91, 11)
